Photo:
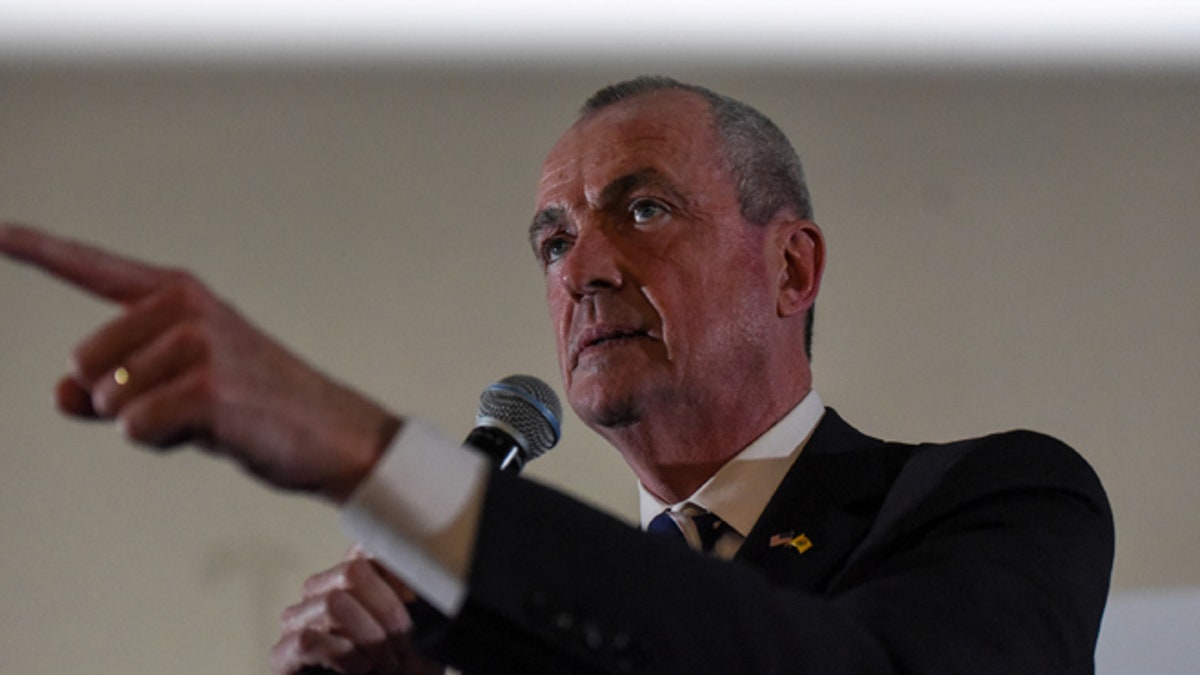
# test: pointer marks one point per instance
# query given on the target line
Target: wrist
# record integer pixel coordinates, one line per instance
(361, 461)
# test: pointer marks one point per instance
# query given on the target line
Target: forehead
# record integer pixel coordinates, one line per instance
(669, 132)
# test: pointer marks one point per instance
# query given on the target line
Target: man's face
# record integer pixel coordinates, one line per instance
(657, 287)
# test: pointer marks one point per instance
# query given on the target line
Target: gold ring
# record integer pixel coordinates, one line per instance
(121, 376)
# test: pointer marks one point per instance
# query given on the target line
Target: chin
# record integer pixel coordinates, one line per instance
(617, 417)
(606, 411)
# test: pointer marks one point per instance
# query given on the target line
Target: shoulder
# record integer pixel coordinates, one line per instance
(1007, 477)
(1011, 531)
(1012, 459)
(1016, 459)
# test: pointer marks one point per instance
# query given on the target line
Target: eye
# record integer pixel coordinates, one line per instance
(553, 248)
(646, 210)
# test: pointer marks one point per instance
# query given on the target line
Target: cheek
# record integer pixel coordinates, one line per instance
(559, 306)
(724, 318)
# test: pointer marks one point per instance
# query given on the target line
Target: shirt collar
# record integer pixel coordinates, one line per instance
(739, 491)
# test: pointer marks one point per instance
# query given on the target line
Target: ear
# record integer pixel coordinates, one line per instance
(803, 261)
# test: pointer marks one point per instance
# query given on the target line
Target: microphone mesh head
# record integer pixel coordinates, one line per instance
(528, 407)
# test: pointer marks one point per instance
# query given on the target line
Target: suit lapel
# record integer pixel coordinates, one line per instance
(831, 496)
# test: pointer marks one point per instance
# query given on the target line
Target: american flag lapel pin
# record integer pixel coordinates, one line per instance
(800, 542)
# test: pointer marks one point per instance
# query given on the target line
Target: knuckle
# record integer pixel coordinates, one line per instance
(283, 647)
(192, 339)
(317, 582)
(282, 658)
(311, 584)
(103, 402)
(140, 426)
(336, 602)
(133, 427)
(288, 616)
(179, 277)
(321, 614)
(310, 642)
(358, 572)
(201, 385)
(307, 589)
(78, 363)
(188, 291)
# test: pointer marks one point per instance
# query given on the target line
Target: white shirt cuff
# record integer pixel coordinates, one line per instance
(418, 512)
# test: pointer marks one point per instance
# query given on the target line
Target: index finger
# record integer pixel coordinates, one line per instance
(86, 267)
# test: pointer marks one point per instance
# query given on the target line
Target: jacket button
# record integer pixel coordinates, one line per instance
(593, 636)
(564, 621)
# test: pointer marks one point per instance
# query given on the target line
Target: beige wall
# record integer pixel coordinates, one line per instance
(1006, 249)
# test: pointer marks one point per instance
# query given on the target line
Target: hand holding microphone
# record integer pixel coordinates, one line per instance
(354, 617)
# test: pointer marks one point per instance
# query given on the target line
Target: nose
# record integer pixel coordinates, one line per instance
(593, 264)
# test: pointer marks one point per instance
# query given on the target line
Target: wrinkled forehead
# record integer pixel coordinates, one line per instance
(669, 130)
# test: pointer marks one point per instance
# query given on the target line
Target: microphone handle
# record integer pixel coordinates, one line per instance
(499, 446)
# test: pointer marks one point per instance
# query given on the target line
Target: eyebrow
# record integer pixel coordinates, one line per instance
(549, 218)
(553, 217)
(617, 189)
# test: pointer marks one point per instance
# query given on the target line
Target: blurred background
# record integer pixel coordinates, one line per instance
(1010, 195)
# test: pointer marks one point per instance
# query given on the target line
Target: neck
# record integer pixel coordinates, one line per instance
(673, 452)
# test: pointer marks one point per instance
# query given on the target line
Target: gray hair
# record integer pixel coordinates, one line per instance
(760, 158)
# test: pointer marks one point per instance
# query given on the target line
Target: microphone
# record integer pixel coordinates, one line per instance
(518, 420)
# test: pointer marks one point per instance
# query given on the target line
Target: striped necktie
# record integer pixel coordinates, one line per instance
(707, 526)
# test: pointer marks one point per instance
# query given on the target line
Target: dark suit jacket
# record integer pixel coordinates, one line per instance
(991, 555)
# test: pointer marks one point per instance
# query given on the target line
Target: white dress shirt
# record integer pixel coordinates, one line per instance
(739, 491)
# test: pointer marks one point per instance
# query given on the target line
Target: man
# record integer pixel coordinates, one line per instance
(681, 265)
